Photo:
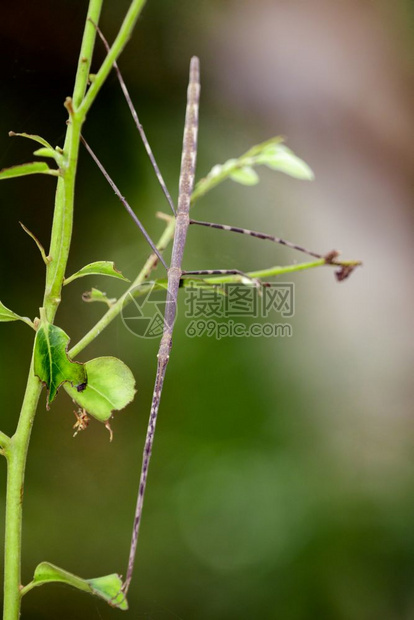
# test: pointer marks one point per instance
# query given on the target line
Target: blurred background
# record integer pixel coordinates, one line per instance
(282, 481)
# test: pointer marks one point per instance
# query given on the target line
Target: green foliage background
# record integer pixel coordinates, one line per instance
(281, 482)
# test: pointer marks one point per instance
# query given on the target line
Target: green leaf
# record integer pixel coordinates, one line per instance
(97, 295)
(32, 136)
(8, 315)
(284, 160)
(52, 364)
(100, 268)
(245, 176)
(111, 386)
(35, 167)
(48, 573)
(41, 249)
(271, 153)
(108, 587)
(263, 146)
(46, 151)
(52, 153)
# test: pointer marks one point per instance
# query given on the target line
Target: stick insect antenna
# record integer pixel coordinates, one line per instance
(125, 203)
(138, 124)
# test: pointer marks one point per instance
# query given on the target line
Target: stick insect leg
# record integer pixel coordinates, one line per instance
(125, 203)
(138, 125)
(258, 235)
(215, 272)
(221, 272)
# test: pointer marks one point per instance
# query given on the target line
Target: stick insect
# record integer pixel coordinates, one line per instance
(175, 271)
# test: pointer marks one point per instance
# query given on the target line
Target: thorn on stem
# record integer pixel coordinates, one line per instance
(69, 105)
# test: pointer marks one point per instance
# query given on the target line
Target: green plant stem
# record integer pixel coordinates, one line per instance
(78, 107)
(16, 454)
(278, 270)
(116, 49)
(16, 448)
(114, 310)
(65, 192)
(59, 249)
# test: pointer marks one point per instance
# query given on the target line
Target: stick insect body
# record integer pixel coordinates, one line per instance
(186, 184)
(175, 272)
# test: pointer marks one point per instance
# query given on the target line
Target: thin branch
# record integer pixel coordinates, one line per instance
(25, 589)
(64, 200)
(86, 51)
(118, 45)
